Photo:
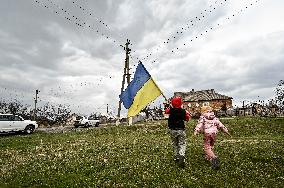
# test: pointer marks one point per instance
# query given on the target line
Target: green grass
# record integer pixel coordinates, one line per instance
(141, 156)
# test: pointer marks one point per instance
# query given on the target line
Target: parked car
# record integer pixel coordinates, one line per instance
(14, 123)
(86, 121)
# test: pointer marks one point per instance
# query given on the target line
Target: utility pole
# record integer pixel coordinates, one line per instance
(126, 76)
(244, 108)
(37, 91)
(107, 109)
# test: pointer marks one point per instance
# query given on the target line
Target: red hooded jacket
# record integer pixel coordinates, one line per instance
(177, 115)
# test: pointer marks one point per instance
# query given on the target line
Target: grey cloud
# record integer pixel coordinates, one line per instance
(250, 69)
(43, 49)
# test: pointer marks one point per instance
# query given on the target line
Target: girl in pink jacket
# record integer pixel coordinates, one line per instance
(208, 124)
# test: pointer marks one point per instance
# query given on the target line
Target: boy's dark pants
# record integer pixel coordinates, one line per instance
(179, 142)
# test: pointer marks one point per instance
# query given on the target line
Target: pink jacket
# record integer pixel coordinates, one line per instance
(209, 124)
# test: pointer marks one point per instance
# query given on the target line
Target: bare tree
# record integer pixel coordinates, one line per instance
(15, 107)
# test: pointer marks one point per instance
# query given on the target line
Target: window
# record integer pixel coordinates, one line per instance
(79, 117)
(4, 118)
(11, 118)
(17, 118)
(205, 104)
(93, 118)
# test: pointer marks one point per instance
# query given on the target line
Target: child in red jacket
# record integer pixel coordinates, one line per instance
(177, 116)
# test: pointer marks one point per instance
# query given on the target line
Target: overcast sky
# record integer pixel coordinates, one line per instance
(70, 49)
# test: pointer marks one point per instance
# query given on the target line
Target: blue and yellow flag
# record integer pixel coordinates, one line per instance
(141, 91)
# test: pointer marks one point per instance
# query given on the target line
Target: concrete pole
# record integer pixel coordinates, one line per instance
(126, 75)
(37, 91)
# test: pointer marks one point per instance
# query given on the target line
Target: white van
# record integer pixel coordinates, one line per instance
(86, 121)
(13, 123)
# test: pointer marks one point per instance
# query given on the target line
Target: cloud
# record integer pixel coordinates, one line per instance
(41, 49)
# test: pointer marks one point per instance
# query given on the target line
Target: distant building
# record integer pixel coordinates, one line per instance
(255, 109)
(194, 100)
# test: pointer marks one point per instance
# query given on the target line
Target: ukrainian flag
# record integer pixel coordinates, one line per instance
(141, 91)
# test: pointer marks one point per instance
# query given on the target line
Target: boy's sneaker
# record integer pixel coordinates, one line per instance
(215, 163)
(181, 161)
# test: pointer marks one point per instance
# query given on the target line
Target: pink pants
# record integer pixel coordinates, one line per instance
(209, 140)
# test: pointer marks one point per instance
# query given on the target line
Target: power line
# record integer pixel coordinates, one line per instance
(68, 15)
(193, 22)
(71, 18)
(175, 50)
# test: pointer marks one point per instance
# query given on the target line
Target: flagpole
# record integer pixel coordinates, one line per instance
(164, 96)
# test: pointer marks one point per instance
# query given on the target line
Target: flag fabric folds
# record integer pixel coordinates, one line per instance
(140, 92)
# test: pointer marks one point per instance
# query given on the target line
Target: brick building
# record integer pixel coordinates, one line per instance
(194, 100)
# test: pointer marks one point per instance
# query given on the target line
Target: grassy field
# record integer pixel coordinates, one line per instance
(141, 156)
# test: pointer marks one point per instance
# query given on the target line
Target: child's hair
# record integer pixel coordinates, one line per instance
(205, 109)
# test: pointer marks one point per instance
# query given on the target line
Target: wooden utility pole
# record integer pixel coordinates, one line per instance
(126, 76)
(37, 91)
